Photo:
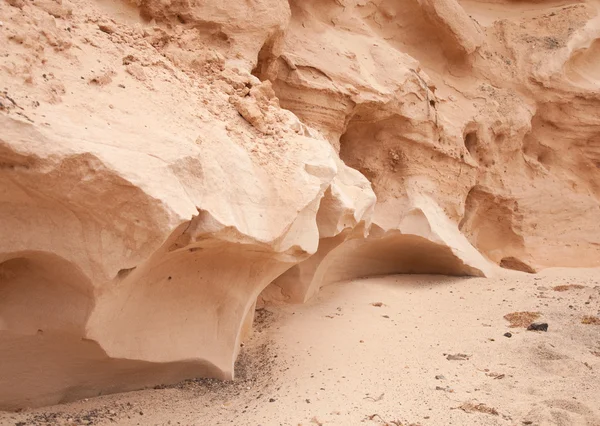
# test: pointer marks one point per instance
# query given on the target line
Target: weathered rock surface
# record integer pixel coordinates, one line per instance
(162, 163)
(477, 105)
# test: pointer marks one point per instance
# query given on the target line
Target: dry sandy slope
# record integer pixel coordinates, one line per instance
(339, 360)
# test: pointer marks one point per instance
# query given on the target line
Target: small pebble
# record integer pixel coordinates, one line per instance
(538, 326)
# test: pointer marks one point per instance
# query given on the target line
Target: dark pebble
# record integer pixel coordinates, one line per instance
(538, 326)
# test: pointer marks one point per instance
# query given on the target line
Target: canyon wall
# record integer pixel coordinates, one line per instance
(165, 164)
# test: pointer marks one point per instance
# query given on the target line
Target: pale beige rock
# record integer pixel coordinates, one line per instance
(452, 20)
(121, 219)
(156, 274)
(424, 241)
(479, 133)
(136, 71)
(163, 162)
(239, 29)
(344, 213)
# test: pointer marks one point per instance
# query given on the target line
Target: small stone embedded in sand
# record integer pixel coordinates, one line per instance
(128, 59)
(497, 376)
(538, 326)
(137, 71)
(470, 407)
(458, 357)
(507, 334)
(107, 28)
(102, 79)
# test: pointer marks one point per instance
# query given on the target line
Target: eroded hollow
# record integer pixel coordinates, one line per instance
(42, 292)
(471, 143)
(395, 254)
(492, 224)
(267, 54)
(583, 68)
(49, 369)
(516, 265)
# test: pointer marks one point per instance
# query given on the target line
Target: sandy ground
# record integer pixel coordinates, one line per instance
(342, 359)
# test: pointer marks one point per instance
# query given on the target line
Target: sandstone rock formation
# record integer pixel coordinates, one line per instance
(162, 163)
